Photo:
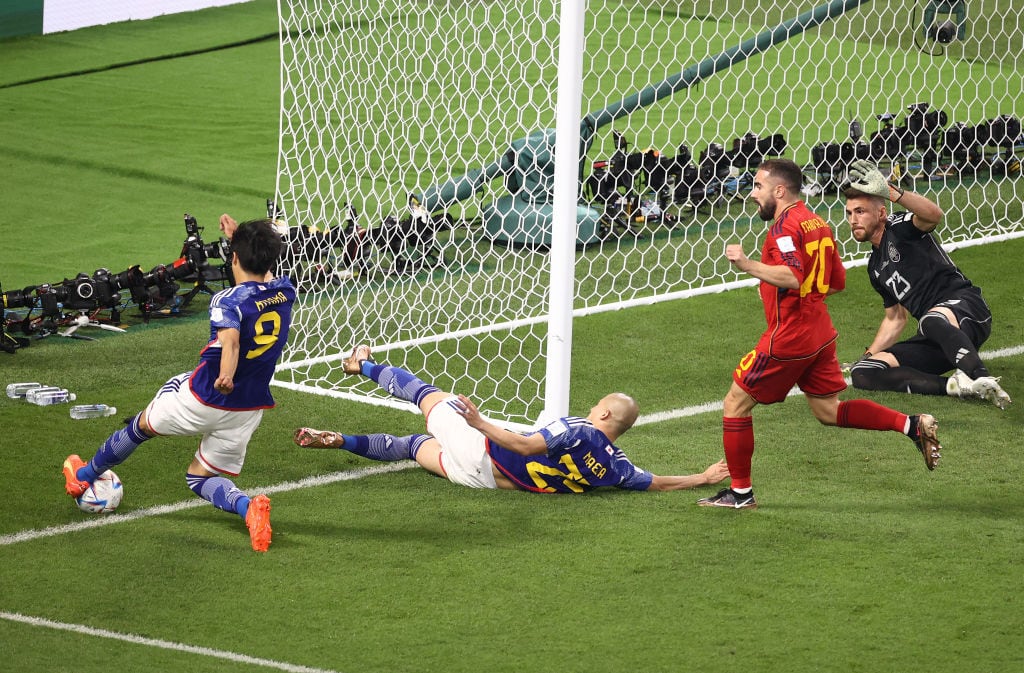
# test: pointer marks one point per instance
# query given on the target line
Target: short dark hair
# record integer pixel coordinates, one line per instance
(851, 193)
(786, 171)
(258, 245)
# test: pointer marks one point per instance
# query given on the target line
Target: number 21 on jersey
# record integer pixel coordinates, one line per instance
(570, 479)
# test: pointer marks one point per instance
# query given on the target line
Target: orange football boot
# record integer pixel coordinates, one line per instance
(257, 519)
(74, 486)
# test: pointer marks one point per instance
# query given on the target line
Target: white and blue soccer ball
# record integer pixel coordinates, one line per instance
(103, 496)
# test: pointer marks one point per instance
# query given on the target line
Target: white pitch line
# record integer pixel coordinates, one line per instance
(1008, 352)
(685, 412)
(110, 519)
(657, 417)
(162, 644)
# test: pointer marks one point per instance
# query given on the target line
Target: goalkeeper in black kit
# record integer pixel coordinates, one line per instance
(915, 276)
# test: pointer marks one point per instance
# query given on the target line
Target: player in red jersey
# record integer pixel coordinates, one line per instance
(799, 268)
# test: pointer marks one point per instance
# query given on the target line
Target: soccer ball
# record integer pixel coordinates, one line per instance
(103, 496)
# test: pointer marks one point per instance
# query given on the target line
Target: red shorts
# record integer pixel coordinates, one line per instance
(768, 380)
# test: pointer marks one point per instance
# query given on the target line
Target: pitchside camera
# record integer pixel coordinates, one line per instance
(749, 150)
(943, 33)
(157, 289)
(193, 264)
(1003, 131)
(17, 298)
(831, 157)
(944, 30)
(195, 250)
(85, 293)
(923, 126)
(962, 140)
(921, 129)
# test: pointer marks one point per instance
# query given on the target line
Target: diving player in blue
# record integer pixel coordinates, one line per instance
(223, 398)
(569, 455)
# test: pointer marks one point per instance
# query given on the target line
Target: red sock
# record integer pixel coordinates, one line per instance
(867, 415)
(738, 440)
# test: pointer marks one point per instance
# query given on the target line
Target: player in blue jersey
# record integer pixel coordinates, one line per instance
(569, 455)
(223, 398)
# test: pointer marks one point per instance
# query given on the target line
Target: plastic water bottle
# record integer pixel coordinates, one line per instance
(18, 390)
(30, 396)
(81, 411)
(48, 397)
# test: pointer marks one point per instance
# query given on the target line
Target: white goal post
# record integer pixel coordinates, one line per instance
(438, 215)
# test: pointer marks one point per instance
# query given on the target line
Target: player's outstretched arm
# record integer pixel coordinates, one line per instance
(714, 474)
(526, 445)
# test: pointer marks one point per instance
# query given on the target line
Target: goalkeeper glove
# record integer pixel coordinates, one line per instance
(847, 367)
(865, 177)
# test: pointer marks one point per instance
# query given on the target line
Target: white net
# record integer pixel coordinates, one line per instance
(416, 158)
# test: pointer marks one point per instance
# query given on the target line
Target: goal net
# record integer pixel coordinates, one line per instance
(417, 155)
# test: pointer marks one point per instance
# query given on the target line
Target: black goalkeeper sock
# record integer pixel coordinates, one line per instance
(877, 375)
(955, 345)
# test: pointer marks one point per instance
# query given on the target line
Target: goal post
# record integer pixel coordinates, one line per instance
(418, 140)
(565, 200)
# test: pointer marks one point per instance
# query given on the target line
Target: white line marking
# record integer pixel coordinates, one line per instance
(109, 519)
(162, 644)
(1002, 353)
(696, 410)
(658, 417)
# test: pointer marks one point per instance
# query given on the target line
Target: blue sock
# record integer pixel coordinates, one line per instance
(221, 492)
(114, 451)
(386, 448)
(398, 382)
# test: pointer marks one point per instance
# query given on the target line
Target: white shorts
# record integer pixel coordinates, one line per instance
(176, 412)
(464, 456)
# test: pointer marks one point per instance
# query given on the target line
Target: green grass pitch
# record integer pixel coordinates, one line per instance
(857, 560)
